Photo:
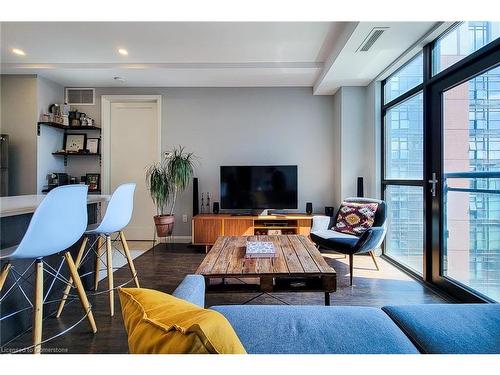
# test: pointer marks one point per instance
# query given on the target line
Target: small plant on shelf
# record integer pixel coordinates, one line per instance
(165, 181)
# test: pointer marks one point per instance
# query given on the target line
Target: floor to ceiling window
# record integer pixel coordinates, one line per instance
(403, 162)
(458, 188)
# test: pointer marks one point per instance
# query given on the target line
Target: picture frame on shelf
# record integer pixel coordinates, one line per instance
(74, 142)
(93, 145)
(93, 180)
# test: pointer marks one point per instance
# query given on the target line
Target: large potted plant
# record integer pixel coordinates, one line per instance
(165, 181)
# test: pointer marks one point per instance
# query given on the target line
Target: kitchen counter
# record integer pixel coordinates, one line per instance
(25, 204)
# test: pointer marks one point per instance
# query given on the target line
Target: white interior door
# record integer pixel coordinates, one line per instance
(134, 145)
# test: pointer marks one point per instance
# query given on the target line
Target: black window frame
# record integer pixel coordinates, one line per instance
(476, 63)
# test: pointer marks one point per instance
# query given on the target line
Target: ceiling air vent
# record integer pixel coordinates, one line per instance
(371, 38)
(80, 96)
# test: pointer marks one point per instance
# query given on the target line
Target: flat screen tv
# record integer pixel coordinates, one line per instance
(258, 187)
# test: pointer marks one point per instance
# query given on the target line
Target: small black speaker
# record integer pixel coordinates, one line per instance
(216, 207)
(309, 208)
(329, 211)
(196, 205)
(361, 190)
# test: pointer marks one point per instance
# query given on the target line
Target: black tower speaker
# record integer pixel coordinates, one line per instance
(309, 208)
(329, 211)
(196, 205)
(216, 207)
(361, 190)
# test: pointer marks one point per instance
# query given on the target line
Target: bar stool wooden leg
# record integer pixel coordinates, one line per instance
(97, 262)
(38, 308)
(109, 264)
(70, 281)
(81, 292)
(374, 260)
(4, 274)
(129, 259)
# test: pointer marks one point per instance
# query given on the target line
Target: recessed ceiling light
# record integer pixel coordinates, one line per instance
(18, 51)
(122, 51)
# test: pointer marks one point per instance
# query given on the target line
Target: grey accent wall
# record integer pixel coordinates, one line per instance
(50, 139)
(19, 114)
(246, 126)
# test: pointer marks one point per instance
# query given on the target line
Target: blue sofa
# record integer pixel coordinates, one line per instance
(412, 329)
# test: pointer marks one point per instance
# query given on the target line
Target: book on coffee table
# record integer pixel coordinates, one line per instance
(260, 249)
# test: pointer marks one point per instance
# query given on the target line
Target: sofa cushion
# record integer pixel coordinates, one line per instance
(355, 218)
(158, 323)
(315, 329)
(334, 240)
(452, 328)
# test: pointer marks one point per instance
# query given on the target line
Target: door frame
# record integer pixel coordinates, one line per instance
(106, 101)
(472, 66)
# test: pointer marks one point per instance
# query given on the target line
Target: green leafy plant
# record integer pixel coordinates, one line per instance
(170, 177)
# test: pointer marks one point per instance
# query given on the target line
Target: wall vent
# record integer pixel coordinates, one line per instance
(371, 38)
(80, 96)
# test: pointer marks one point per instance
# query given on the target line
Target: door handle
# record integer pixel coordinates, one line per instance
(433, 183)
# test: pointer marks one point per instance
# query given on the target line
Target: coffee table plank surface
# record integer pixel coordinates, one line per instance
(295, 255)
(291, 259)
(316, 256)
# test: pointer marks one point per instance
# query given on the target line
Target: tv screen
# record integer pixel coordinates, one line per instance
(258, 187)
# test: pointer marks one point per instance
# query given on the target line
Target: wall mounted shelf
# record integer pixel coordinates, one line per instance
(66, 154)
(66, 128)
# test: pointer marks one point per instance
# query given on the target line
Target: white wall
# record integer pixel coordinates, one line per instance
(18, 119)
(357, 125)
(373, 141)
(232, 126)
(50, 139)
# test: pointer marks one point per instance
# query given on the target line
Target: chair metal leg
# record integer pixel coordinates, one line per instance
(97, 264)
(374, 260)
(4, 274)
(38, 308)
(129, 259)
(70, 281)
(81, 292)
(109, 265)
(351, 267)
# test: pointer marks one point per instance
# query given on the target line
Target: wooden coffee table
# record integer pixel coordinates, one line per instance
(297, 267)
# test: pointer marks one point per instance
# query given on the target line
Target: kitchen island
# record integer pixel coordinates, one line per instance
(15, 216)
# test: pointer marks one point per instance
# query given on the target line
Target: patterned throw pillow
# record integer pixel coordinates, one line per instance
(355, 218)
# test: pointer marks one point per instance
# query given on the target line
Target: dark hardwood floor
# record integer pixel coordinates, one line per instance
(163, 268)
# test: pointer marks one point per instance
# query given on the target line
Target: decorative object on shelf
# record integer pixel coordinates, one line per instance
(93, 145)
(208, 203)
(74, 142)
(93, 180)
(216, 208)
(83, 120)
(74, 118)
(309, 208)
(202, 204)
(165, 181)
(329, 211)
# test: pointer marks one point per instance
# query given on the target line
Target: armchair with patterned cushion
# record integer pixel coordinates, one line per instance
(327, 237)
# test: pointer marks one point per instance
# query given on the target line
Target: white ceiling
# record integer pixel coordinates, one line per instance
(204, 54)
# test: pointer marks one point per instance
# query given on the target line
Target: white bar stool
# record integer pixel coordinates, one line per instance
(57, 224)
(116, 218)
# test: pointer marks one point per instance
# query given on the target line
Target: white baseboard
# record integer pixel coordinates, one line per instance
(175, 239)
